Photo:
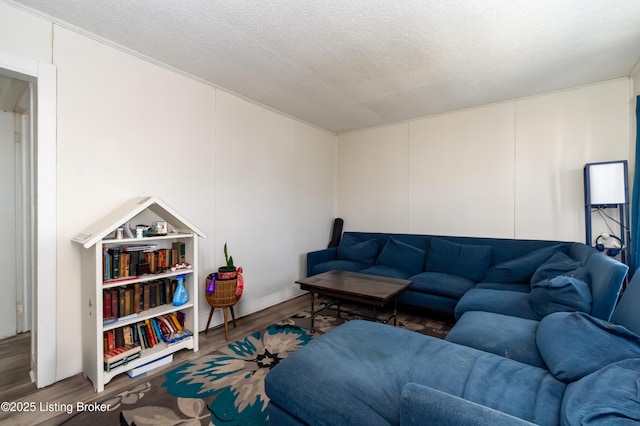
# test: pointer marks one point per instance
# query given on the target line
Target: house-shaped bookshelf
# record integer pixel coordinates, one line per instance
(128, 285)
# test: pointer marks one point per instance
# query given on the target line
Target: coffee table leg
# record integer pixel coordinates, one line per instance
(395, 312)
(313, 313)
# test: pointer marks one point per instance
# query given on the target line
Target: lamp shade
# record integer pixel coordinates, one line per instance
(606, 183)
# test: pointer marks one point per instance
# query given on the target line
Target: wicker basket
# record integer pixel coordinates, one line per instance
(224, 294)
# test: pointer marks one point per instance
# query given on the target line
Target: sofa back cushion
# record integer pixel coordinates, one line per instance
(560, 294)
(521, 269)
(402, 256)
(575, 344)
(627, 312)
(557, 264)
(608, 396)
(464, 260)
(351, 248)
(607, 276)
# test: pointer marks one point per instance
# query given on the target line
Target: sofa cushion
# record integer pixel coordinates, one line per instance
(386, 271)
(403, 256)
(507, 336)
(521, 269)
(421, 405)
(350, 248)
(513, 303)
(339, 265)
(557, 264)
(575, 344)
(441, 284)
(466, 260)
(560, 294)
(609, 396)
(362, 367)
(522, 288)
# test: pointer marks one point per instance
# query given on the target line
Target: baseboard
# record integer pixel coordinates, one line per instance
(247, 307)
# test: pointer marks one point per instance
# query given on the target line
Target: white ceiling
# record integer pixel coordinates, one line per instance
(350, 64)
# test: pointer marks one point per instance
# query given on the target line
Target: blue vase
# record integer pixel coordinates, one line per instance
(180, 297)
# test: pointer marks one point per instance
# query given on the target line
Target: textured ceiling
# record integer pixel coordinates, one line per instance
(350, 64)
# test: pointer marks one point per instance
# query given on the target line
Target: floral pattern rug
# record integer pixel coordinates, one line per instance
(226, 387)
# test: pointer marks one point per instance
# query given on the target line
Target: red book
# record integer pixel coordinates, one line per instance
(106, 305)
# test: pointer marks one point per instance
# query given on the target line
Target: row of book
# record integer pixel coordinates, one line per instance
(121, 355)
(136, 260)
(124, 344)
(134, 298)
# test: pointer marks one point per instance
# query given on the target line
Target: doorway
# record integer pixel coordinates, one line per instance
(41, 130)
(16, 235)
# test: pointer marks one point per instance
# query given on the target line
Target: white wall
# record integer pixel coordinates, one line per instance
(274, 196)
(636, 79)
(511, 170)
(556, 135)
(8, 288)
(24, 34)
(128, 128)
(454, 158)
(373, 179)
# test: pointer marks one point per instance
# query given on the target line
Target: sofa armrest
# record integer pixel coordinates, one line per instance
(422, 405)
(316, 257)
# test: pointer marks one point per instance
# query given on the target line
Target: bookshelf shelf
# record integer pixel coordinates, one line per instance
(144, 315)
(148, 355)
(178, 246)
(144, 278)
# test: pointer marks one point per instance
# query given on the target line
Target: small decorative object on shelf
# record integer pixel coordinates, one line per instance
(180, 297)
(139, 293)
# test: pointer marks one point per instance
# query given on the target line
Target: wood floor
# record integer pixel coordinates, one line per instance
(15, 385)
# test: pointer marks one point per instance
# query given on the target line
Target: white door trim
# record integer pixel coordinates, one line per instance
(43, 334)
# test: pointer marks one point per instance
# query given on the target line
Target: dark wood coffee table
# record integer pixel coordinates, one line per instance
(363, 288)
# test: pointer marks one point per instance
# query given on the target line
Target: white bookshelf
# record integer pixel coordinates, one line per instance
(94, 241)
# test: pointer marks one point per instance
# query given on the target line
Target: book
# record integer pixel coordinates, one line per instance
(106, 304)
(180, 248)
(158, 293)
(146, 296)
(121, 302)
(114, 303)
(126, 331)
(115, 262)
(150, 333)
(153, 288)
(120, 352)
(141, 337)
(111, 340)
(174, 318)
(122, 358)
(119, 337)
(137, 306)
(106, 264)
(134, 261)
(182, 318)
(110, 366)
(128, 302)
(125, 259)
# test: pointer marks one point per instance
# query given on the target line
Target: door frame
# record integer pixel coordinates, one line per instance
(42, 77)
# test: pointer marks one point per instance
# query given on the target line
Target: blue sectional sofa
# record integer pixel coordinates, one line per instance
(506, 276)
(532, 342)
(375, 374)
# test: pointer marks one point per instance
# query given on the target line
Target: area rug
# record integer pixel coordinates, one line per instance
(226, 387)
